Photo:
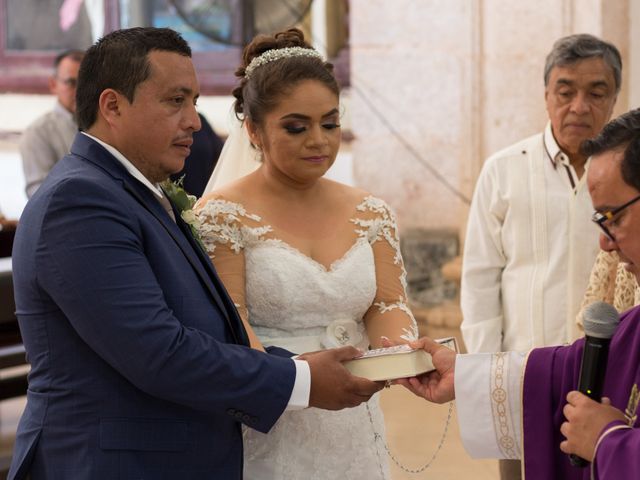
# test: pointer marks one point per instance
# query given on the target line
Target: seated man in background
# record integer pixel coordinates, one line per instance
(49, 137)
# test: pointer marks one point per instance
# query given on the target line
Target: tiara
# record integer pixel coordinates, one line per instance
(276, 54)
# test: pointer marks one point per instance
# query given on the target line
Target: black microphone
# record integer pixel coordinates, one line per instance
(600, 323)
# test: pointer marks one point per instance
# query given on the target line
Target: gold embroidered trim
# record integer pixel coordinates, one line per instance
(502, 424)
(632, 407)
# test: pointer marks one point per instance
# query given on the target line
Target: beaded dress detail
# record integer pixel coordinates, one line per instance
(294, 302)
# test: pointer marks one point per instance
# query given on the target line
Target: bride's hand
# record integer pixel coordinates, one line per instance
(436, 386)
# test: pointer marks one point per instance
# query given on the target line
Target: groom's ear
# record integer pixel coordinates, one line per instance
(109, 105)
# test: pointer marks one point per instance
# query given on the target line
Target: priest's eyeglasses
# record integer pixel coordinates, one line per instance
(600, 218)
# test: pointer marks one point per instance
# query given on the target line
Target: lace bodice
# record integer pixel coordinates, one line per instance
(285, 293)
(296, 302)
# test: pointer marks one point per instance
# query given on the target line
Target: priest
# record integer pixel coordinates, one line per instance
(517, 405)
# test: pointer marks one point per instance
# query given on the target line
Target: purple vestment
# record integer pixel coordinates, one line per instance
(553, 372)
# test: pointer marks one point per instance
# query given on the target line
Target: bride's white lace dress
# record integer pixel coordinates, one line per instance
(294, 302)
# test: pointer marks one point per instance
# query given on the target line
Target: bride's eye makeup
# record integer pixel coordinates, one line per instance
(296, 123)
(295, 128)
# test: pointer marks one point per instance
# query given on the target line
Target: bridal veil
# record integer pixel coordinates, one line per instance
(238, 157)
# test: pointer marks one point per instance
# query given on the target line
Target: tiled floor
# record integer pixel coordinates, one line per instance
(414, 430)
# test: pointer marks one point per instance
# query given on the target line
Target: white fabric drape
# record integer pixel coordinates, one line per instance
(237, 159)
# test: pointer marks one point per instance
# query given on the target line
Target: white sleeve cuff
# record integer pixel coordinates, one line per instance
(301, 387)
(482, 336)
(489, 403)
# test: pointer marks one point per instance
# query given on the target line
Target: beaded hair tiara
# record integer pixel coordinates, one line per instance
(277, 54)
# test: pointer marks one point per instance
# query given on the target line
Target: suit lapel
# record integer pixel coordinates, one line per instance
(204, 260)
(181, 235)
(93, 152)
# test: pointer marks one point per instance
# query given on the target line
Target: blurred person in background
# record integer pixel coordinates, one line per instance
(49, 137)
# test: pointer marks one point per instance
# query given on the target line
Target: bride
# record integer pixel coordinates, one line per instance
(309, 262)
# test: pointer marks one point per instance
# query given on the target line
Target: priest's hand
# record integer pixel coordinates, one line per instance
(436, 386)
(586, 419)
(332, 386)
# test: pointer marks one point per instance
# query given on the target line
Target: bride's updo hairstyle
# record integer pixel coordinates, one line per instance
(271, 66)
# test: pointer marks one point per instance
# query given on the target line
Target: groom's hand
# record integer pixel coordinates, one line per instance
(332, 386)
(436, 386)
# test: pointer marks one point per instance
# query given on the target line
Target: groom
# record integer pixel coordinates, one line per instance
(140, 365)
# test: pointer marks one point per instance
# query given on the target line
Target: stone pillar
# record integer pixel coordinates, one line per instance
(411, 74)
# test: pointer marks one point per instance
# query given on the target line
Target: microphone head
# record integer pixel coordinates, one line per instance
(600, 320)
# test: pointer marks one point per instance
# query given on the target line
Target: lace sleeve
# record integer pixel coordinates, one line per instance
(221, 231)
(389, 315)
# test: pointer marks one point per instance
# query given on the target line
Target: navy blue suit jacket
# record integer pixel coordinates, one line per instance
(140, 365)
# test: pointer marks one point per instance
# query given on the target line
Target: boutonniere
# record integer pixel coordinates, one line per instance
(184, 203)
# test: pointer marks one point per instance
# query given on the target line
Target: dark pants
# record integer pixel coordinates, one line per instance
(510, 469)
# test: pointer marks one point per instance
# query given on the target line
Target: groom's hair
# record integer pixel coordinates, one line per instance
(120, 60)
(622, 134)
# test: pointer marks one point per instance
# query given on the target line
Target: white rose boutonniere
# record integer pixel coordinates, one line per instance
(184, 204)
